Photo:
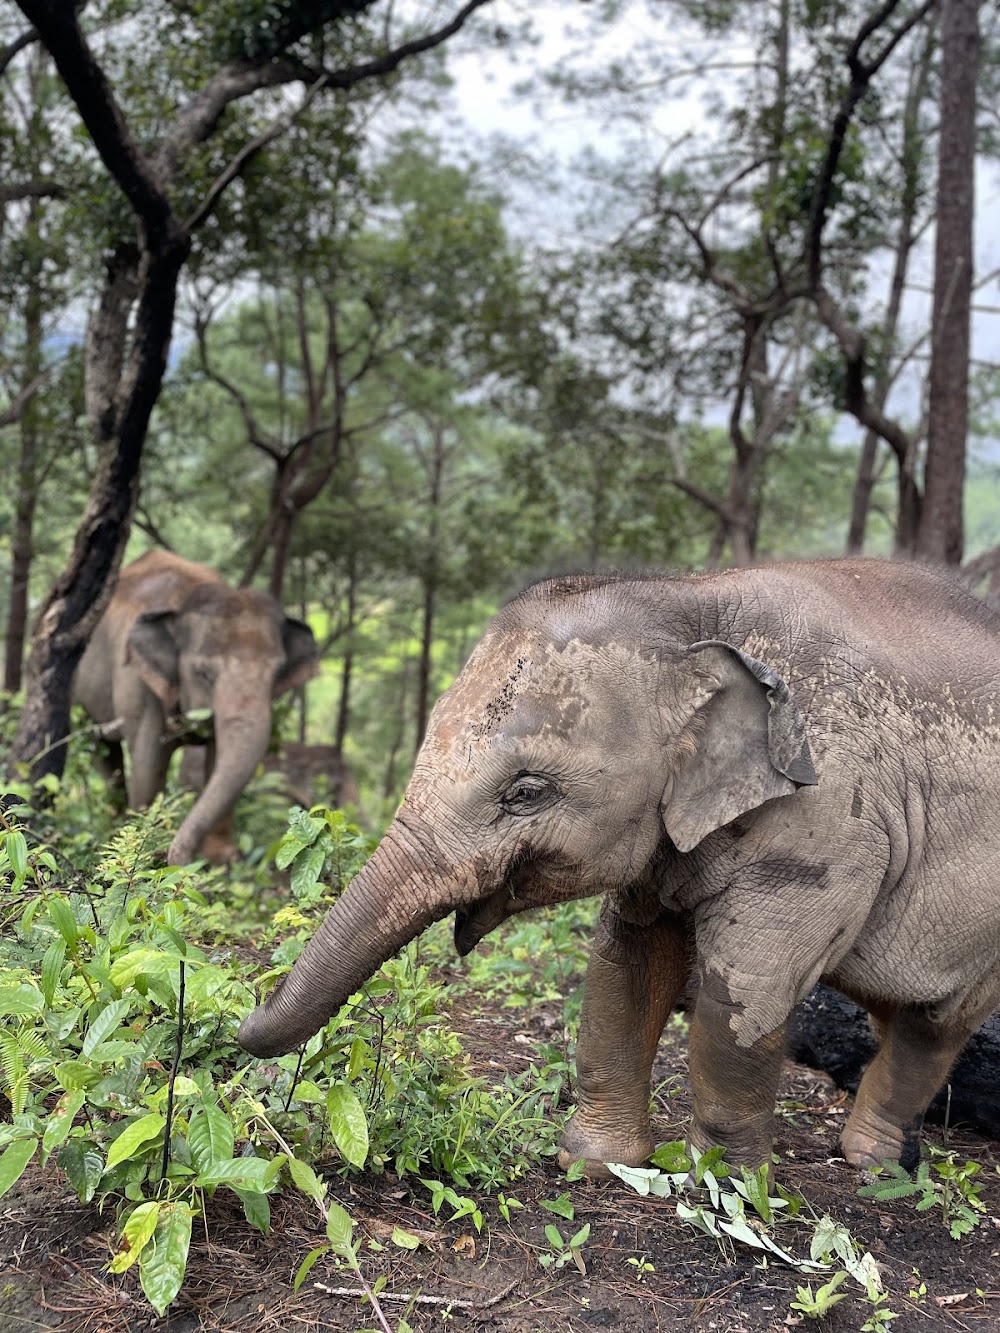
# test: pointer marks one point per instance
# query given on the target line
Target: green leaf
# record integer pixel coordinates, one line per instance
(21, 1001)
(210, 1137)
(306, 870)
(83, 1165)
(17, 851)
(672, 1157)
(307, 1263)
(348, 1124)
(305, 1178)
(135, 1236)
(61, 915)
(141, 962)
(14, 1162)
(60, 1120)
(562, 1207)
(52, 965)
(405, 1239)
(554, 1237)
(245, 1173)
(356, 1059)
(340, 1234)
(137, 1135)
(163, 1261)
(256, 1208)
(106, 1022)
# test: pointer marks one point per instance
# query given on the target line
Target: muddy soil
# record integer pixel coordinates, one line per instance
(53, 1252)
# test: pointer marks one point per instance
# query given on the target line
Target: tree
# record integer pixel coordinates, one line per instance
(130, 330)
(940, 537)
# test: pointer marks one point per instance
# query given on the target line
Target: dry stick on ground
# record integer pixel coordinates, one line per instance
(411, 1297)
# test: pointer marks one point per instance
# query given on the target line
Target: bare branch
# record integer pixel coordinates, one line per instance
(15, 410)
(15, 48)
(257, 437)
(33, 189)
(245, 155)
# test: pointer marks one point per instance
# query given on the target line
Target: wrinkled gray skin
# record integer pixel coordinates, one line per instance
(176, 638)
(774, 776)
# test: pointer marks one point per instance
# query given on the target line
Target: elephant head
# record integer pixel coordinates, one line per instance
(570, 746)
(231, 650)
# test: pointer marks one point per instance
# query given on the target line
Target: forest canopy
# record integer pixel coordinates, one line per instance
(390, 312)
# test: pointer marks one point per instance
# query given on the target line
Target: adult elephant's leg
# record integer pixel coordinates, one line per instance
(150, 758)
(733, 1087)
(635, 974)
(911, 1064)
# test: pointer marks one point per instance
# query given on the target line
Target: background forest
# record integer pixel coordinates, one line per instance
(581, 286)
(387, 308)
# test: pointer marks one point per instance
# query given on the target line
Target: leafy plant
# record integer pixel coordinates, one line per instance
(562, 1252)
(826, 1297)
(941, 1182)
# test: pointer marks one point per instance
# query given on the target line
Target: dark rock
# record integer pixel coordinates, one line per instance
(831, 1033)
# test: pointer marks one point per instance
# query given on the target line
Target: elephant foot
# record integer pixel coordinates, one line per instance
(744, 1147)
(595, 1146)
(219, 851)
(871, 1141)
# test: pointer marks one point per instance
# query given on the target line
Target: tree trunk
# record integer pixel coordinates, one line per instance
(911, 155)
(344, 706)
(940, 537)
(22, 543)
(430, 581)
(82, 591)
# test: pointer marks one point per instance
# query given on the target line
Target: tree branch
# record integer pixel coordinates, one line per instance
(56, 23)
(15, 410)
(33, 189)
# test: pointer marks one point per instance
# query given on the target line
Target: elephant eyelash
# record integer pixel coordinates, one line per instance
(527, 794)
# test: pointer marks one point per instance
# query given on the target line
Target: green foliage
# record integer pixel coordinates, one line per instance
(940, 1182)
(826, 1297)
(562, 1251)
(118, 1051)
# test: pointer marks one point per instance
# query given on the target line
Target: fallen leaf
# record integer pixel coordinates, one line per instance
(956, 1299)
(465, 1247)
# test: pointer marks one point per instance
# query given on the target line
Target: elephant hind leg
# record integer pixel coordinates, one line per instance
(634, 978)
(912, 1062)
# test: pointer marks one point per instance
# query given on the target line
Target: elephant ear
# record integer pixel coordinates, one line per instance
(301, 656)
(745, 745)
(152, 650)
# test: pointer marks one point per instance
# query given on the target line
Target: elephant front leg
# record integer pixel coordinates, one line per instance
(635, 974)
(733, 1087)
(911, 1064)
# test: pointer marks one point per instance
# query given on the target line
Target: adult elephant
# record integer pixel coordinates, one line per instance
(175, 638)
(775, 775)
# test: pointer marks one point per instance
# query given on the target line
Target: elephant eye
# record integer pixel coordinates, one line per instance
(528, 793)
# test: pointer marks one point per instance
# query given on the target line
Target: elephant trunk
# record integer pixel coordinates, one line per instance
(388, 903)
(240, 744)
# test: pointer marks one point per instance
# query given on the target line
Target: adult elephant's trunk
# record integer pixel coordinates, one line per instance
(393, 898)
(240, 745)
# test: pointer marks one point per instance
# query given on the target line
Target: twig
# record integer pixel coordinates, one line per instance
(421, 1300)
(173, 1074)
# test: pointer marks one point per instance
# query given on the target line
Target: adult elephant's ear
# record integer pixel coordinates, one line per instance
(301, 656)
(152, 650)
(744, 744)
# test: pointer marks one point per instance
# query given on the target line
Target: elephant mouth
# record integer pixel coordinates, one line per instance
(533, 881)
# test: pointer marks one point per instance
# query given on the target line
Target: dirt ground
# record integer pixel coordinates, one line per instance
(53, 1251)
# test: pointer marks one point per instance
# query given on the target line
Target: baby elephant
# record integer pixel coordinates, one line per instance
(175, 638)
(774, 776)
